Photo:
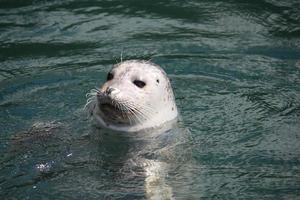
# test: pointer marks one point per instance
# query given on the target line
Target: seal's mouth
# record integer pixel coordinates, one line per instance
(109, 106)
(106, 102)
(118, 111)
(114, 113)
(112, 107)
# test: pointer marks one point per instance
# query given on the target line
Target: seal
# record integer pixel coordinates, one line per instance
(137, 95)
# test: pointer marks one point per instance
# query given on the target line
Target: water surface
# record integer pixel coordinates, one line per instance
(235, 70)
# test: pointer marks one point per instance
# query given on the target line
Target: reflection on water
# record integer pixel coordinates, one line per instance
(235, 69)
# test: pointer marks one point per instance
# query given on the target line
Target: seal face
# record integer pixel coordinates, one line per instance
(137, 95)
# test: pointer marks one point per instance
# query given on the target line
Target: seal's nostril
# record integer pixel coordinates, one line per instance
(110, 91)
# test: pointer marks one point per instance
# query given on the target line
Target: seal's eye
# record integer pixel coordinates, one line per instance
(139, 83)
(109, 77)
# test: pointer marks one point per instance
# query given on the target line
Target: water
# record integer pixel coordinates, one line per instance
(235, 70)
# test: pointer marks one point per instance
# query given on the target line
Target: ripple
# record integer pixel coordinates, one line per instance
(234, 67)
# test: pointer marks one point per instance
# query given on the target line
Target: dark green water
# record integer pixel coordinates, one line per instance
(235, 70)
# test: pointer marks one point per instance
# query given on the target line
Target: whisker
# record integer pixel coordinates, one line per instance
(95, 90)
(90, 94)
(89, 105)
(127, 107)
(91, 98)
(122, 55)
(137, 118)
(129, 110)
(140, 116)
(149, 111)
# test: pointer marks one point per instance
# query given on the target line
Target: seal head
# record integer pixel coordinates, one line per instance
(137, 95)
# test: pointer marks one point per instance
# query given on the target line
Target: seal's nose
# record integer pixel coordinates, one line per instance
(110, 91)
